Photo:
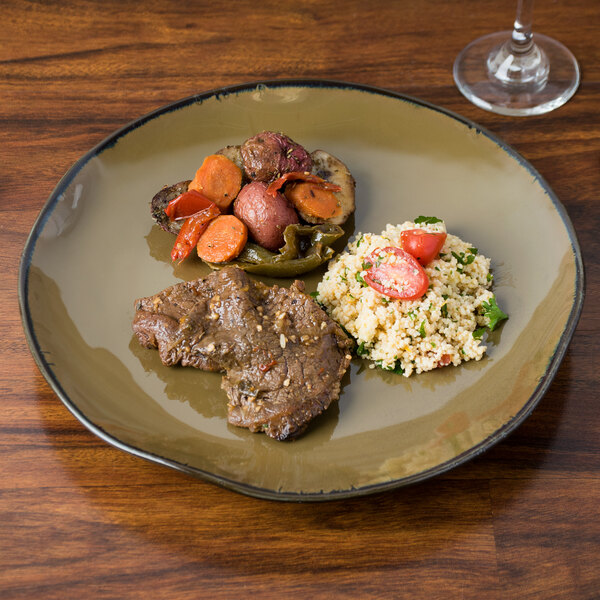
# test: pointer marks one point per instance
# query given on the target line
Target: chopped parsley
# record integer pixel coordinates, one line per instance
(461, 259)
(360, 350)
(314, 294)
(490, 277)
(427, 220)
(473, 250)
(444, 311)
(360, 279)
(493, 313)
(359, 240)
(478, 333)
(422, 332)
(396, 368)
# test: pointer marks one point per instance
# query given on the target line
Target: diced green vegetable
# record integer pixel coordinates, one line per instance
(493, 312)
(478, 333)
(427, 220)
(461, 259)
(360, 350)
(397, 369)
(360, 279)
(306, 247)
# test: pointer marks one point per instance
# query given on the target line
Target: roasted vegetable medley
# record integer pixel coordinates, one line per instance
(268, 206)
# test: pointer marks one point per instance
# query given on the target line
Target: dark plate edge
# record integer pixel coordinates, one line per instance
(248, 489)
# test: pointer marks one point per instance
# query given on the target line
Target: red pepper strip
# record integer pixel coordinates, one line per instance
(187, 204)
(191, 230)
(265, 368)
(276, 185)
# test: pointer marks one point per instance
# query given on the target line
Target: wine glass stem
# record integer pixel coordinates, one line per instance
(522, 38)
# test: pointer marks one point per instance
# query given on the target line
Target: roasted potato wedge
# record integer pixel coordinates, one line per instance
(332, 169)
(234, 154)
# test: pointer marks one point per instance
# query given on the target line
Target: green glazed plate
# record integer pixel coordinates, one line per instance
(94, 249)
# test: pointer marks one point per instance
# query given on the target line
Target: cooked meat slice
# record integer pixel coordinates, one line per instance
(283, 357)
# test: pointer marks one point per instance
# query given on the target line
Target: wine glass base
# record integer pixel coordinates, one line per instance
(476, 83)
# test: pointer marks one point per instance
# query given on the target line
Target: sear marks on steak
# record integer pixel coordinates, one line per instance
(283, 357)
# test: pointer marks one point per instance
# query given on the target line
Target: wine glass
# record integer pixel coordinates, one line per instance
(516, 73)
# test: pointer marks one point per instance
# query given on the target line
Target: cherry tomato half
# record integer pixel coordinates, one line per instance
(396, 273)
(423, 245)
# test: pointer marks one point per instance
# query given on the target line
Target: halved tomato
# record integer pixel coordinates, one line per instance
(396, 273)
(423, 245)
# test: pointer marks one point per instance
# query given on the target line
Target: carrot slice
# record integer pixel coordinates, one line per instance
(313, 200)
(223, 240)
(219, 179)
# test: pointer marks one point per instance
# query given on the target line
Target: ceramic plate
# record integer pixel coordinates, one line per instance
(94, 250)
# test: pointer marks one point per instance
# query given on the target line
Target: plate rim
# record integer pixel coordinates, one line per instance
(245, 488)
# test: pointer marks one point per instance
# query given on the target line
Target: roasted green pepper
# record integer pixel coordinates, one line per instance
(306, 247)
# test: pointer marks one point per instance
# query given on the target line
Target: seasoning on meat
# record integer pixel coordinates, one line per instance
(280, 373)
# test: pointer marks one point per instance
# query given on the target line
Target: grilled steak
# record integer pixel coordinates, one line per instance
(283, 357)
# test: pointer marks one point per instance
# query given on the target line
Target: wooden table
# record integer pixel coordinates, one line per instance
(80, 519)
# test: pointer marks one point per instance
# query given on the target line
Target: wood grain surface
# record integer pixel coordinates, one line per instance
(80, 519)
